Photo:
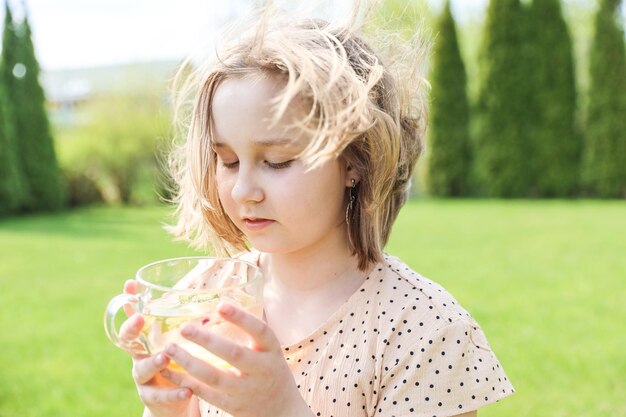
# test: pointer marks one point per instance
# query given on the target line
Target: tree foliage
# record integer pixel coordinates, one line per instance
(604, 159)
(109, 155)
(11, 191)
(449, 153)
(10, 180)
(35, 142)
(505, 110)
(557, 147)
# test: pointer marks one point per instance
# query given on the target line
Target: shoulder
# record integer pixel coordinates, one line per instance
(432, 347)
(412, 294)
(423, 308)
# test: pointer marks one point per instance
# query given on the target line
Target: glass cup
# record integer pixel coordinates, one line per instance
(175, 292)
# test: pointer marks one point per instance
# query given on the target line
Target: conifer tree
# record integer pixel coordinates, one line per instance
(35, 143)
(11, 192)
(449, 152)
(505, 104)
(604, 158)
(9, 48)
(556, 151)
(10, 180)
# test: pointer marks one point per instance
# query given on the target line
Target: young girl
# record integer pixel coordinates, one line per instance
(300, 152)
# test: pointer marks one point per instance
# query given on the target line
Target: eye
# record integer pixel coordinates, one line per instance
(226, 158)
(279, 165)
(230, 165)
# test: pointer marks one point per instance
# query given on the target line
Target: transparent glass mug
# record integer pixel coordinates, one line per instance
(174, 292)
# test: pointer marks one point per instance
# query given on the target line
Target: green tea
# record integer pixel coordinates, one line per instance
(165, 317)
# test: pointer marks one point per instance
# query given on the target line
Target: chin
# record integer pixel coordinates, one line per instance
(270, 246)
(265, 245)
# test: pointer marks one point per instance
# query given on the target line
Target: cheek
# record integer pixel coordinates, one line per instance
(224, 192)
(321, 194)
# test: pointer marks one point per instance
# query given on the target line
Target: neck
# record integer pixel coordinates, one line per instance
(311, 269)
(304, 288)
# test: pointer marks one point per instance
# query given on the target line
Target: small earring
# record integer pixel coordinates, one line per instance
(350, 206)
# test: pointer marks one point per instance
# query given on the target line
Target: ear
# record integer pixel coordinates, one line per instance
(351, 175)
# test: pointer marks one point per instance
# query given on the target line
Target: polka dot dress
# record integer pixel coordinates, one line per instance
(400, 346)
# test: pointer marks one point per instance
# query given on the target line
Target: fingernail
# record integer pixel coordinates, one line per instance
(159, 359)
(225, 309)
(182, 394)
(137, 320)
(188, 330)
(171, 350)
(165, 373)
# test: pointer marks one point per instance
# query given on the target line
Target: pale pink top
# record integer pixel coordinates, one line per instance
(401, 345)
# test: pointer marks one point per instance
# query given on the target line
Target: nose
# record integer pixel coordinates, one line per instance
(247, 188)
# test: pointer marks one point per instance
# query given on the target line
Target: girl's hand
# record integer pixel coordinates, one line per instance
(161, 397)
(260, 385)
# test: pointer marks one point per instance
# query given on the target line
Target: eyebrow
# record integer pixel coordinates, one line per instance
(262, 143)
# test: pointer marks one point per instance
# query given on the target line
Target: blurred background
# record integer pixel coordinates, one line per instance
(518, 205)
(105, 68)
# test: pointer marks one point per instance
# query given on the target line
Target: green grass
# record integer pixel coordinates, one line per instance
(57, 274)
(547, 281)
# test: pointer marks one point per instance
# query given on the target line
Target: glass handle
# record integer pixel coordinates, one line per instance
(112, 309)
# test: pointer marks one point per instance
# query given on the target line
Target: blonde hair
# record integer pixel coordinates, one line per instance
(358, 109)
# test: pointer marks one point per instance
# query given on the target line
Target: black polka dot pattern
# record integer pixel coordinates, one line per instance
(400, 346)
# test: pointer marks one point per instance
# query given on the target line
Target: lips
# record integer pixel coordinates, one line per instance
(256, 223)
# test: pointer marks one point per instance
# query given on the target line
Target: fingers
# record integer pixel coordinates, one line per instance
(264, 339)
(200, 370)
(129, 334)
(152, 395)
(131, 328)
(153, 389)
(238, 356)
(144, 370)
(130, 287)
(207, 393)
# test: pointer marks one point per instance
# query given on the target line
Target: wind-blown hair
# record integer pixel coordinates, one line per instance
(356, 108)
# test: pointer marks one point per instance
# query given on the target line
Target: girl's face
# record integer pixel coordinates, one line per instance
(268, 193)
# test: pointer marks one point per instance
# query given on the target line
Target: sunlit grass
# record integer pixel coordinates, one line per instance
(58, 273)
(546, 280)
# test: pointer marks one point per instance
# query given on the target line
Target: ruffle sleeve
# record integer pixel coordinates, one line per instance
(450, 371)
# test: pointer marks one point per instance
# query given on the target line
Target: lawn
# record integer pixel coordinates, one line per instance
(547, 281)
